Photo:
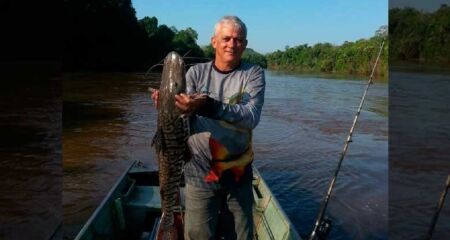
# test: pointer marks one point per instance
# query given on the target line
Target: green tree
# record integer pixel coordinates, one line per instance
(254, 57)
(351, 57)
(184, 42)
(150, 25)
(104, 35)
(419, 36)
(208, 51)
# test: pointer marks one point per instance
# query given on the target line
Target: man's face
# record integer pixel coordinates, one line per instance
(229, 43)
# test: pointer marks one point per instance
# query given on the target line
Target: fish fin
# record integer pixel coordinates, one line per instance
(156, 140)
(243, 161)
(218, 154)
(217, 168)
(236, 167)
(212, 176)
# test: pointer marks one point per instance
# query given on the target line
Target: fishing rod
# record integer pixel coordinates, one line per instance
(322, 226)
(438, 208)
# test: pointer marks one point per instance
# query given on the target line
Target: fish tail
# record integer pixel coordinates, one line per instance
(170, 227)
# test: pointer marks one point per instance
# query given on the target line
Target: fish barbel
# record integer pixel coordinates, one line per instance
(170, 145)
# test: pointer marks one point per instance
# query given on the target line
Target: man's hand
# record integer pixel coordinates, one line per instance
(155, 96)
(190, 103)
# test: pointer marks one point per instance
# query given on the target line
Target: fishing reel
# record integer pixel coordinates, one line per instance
(324, 229)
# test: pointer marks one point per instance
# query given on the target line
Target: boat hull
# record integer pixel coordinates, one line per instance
(132, 210)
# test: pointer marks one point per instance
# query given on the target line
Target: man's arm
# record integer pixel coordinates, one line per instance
(247, 112)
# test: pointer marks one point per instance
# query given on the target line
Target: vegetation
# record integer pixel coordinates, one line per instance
(420, 37)
(351, 57)
(254, 57)
(249, 55)
(105, 35)
(162, 40)
(102, 35)
(209, 51)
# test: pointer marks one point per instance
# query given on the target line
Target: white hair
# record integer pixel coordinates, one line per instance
(233, 20)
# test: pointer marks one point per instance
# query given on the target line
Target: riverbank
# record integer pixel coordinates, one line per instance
(419, 66)
(331, 75)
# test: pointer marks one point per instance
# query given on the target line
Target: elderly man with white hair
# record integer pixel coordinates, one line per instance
(224, 99)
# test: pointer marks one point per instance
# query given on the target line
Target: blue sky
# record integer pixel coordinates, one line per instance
(274, 24)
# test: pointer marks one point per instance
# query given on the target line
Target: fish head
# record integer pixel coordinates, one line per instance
(174, 74)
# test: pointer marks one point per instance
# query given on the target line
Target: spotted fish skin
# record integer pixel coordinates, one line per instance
(170, 145)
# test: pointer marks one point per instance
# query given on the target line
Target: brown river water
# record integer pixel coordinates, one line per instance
(419, 153)
(30, 151)
(109, 120)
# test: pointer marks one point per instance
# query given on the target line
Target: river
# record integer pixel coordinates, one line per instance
(109, 120)
(30, 151)
(419, 154)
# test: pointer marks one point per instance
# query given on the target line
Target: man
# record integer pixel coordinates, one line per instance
(224, 99)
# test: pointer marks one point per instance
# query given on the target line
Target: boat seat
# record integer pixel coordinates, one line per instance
(145, 197)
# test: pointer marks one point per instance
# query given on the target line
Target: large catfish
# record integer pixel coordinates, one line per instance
(170, 145)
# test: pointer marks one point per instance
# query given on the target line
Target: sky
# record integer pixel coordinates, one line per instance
(273, 25)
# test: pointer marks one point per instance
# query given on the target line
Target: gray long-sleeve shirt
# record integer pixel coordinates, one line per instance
(220, 140)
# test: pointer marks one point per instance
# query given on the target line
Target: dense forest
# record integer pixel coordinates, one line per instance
(351, 57)
(102, 36)
(105, 35)
(420, 36)
(249, 55)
